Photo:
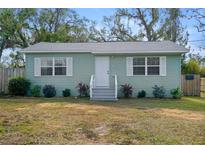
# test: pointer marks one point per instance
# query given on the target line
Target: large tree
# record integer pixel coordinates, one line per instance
(16, 60)
(142, 24)
(60, 25)
(21, 27)
(14, 25)
(199, 16)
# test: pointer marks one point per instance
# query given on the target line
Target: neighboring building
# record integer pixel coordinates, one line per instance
(105, 66)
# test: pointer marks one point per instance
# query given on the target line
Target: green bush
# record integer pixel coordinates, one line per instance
(158, 92)
(49, 91)
(192, 67)
(202, 73)
(36, 91)
(176, 93)
(141, 94)
(126, 90)
(18, 86)
(66, 92)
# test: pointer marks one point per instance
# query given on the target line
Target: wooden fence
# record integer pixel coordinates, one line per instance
(6, 74)
(202, 87)
(192, 85)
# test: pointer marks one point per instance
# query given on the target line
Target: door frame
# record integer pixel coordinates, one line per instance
(108, 84)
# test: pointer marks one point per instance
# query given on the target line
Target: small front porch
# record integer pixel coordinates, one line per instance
(100, 87)
(103, 93)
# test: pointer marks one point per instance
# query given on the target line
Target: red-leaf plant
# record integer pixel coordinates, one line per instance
(83, 89)
(127, 90)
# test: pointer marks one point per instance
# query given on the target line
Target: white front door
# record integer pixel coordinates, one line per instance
(102, 71)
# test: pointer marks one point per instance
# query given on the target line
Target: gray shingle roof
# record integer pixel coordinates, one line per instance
(108, 47)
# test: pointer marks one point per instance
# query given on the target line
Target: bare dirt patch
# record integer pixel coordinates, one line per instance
(102, 130)
(48, 105)
(21, 108)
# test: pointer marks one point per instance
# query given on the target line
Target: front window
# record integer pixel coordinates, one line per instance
(139, 66)
(53, 66)
(60, 66)
(46, 66)
(146, 66)
(153, 66)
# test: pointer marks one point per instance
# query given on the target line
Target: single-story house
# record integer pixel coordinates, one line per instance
(105, 66)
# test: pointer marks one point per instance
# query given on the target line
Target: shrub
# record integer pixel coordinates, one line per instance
(66, 92)
(49, 91)
(18, 86)
(158, 92)
(176, 93)
(141, 94)
(202, 73)
(36, 91)
(83, 89)
(192, 67)
(127, 90)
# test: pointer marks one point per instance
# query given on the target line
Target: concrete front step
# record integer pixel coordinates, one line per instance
(103, 90)
(103, 99)
(104, 94)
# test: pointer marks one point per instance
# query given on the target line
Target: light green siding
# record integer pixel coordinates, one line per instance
(83, 68)
(170, 81)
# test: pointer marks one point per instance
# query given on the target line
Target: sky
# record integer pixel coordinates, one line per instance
(97, 15)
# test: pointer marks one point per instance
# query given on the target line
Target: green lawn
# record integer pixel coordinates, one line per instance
(80, 121)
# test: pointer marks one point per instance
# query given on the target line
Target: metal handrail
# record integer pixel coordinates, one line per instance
(91, 85)
(115, 86)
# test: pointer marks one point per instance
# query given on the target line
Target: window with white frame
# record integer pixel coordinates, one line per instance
(60, 66)
(139, 66)
(153, 66)
(46, 66)
(146, 66)
(53, 66)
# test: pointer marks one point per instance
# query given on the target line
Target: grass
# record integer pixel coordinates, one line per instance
(80, 121)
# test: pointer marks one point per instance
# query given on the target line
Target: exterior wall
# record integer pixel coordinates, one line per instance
(84, 67)
(170, 81)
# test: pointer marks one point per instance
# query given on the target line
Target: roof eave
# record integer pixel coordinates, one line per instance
(110, 52)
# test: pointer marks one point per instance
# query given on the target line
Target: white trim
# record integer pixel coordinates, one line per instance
(108, 52)
(56, 51)
(53, 69)
(116, 85)
(136, 52)
(37, 66)
(92, 85)
(129, 66)
(145, 66)
(163, 66)
(69, 66)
